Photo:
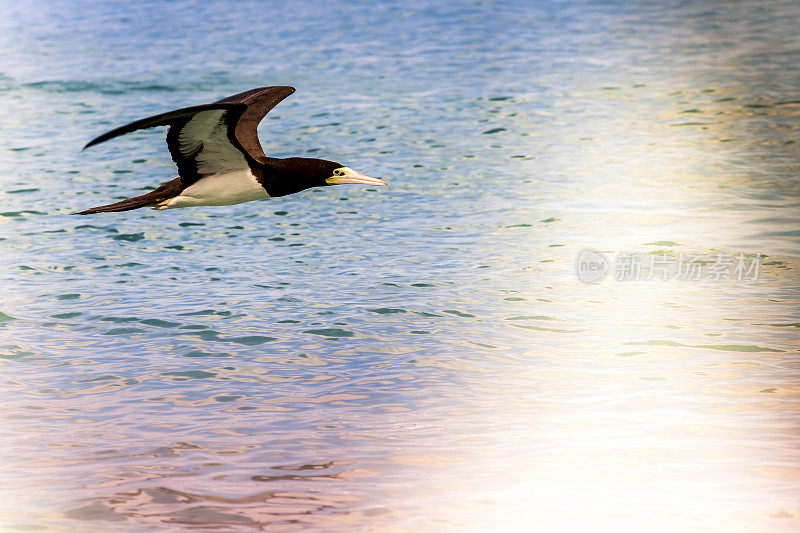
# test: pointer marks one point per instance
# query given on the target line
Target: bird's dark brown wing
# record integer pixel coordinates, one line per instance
(212, 138)
(259, 102)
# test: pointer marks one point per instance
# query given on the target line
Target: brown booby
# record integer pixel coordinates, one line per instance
(221, 162)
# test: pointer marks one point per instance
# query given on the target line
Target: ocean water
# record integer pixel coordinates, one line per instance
(421, 357)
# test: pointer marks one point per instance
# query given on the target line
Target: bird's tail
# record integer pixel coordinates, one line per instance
(164, 192)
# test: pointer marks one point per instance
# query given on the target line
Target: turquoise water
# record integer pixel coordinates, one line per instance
(421, 357)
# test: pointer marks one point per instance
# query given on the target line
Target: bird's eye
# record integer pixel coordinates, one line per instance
(337, 172)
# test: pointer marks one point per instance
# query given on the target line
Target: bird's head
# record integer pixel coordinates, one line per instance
(299, 173)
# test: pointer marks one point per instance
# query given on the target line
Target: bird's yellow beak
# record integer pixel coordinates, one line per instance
(348, 175)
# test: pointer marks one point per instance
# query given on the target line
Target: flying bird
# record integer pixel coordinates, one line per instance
(220, 160)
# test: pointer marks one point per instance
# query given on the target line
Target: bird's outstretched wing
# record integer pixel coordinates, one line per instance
(258, 103)
(212, 138)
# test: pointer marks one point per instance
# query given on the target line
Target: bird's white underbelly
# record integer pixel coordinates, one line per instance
(219, 189)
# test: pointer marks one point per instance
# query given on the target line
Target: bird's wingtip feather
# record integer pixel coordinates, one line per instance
(91, 143)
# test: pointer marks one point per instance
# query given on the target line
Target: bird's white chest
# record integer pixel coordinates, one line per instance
(221, 189)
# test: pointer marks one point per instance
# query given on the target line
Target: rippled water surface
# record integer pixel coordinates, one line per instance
(421, 357)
